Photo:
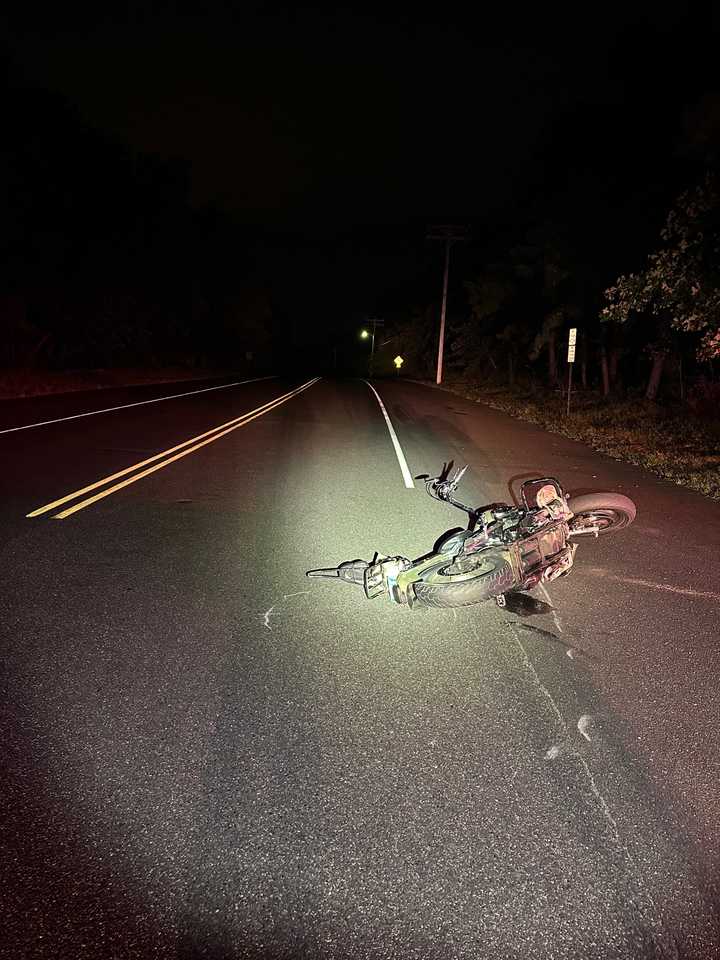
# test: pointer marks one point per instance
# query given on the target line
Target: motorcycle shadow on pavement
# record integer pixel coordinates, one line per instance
(524, 605)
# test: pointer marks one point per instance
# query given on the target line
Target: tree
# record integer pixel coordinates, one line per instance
(414, 337)
(680, 288)
(547, 263)
(531, 284)
(476, 337)
(546, 338)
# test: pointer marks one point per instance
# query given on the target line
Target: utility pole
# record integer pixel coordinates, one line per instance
(448, 233)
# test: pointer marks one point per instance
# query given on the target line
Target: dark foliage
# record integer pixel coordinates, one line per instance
(103, 262)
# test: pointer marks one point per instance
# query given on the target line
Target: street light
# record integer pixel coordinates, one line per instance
(364, 335)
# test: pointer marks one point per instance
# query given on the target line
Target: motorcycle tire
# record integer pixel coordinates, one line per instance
(610, 512)
(443, 588)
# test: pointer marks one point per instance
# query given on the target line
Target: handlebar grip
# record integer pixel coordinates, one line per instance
(351, 571)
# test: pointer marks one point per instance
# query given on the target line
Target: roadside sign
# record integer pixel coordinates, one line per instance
(398, 361)
(572, 339)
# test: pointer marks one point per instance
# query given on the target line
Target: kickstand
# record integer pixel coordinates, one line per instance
(500, 600)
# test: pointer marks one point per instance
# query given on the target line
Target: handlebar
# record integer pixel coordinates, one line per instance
(441, 488)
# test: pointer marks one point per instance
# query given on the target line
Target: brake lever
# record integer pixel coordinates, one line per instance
(449, 486)
(459, 473)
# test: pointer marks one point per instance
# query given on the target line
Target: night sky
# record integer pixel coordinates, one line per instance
(285, 113)
(340, 134)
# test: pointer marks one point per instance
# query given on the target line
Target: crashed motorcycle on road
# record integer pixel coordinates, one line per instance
(505, 548)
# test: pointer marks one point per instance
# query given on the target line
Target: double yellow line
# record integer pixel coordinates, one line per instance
(166, 458)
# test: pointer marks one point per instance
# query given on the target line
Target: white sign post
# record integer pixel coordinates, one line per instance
(572, 339)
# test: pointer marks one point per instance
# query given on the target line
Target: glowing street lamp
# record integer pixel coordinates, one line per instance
(364, 335)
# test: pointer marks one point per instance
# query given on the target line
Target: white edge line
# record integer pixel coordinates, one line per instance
(126, 406)
(395, 442)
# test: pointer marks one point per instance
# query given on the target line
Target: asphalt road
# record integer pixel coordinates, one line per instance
(207, 755)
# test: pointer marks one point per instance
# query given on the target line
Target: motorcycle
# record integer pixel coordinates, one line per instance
(505, 548)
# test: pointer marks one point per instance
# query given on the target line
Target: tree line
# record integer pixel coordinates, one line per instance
(637, 275)
(103, 259)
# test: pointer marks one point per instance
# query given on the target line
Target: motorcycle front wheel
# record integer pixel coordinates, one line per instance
(466, 581)
(607, 512)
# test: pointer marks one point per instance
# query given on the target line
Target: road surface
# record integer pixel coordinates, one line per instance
(208, 755)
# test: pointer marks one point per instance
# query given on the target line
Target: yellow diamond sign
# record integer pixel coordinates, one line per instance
(398, 361)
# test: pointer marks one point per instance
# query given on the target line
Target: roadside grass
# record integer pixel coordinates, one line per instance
(671, 441)
(16, 383)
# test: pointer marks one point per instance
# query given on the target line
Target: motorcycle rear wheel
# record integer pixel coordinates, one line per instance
(609, 512)
(448, 586)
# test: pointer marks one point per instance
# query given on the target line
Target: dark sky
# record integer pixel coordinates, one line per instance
(286, 114)
(337, 135)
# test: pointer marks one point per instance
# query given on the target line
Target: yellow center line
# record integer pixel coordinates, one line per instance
(214, 434)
